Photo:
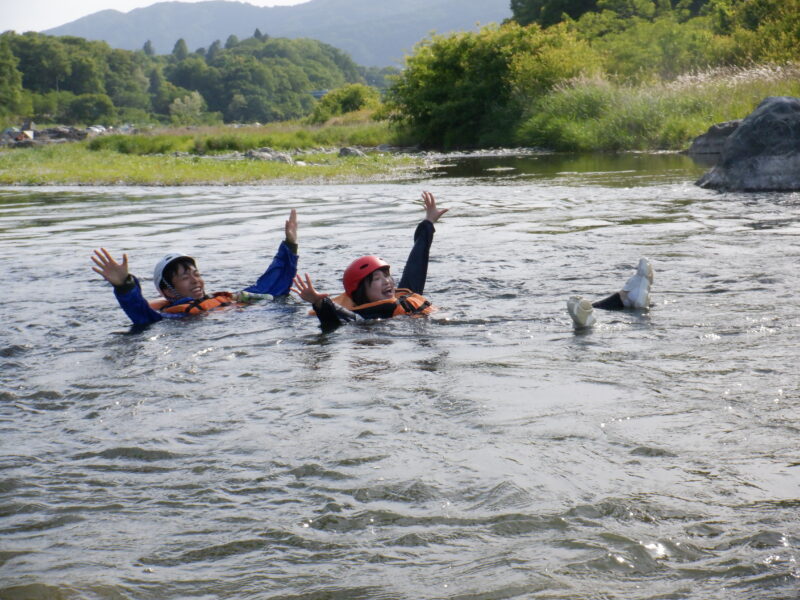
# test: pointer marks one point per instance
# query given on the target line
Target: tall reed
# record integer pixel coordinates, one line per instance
(595, 114)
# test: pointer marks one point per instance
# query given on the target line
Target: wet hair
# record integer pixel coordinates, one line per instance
(360, 295)
(179, 264)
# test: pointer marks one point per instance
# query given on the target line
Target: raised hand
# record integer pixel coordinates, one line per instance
(112, 271)
(291, 227)
(432, 214)
(305, 289)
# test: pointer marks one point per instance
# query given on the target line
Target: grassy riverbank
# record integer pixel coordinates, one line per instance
(582, 115)
(593, 114)
(75, 164)
(208, 156)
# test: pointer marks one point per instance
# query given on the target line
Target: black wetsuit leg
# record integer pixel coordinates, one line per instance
(613, 302)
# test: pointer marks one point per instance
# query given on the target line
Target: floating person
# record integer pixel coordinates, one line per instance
(369, 288)
(635, 294)
(182, 287)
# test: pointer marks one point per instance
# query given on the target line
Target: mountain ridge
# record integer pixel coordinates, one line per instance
(373, 32)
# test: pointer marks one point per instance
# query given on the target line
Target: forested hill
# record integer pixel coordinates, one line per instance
(373, 32)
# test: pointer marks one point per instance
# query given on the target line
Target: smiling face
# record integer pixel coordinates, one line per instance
(187, 282)
(379, 285)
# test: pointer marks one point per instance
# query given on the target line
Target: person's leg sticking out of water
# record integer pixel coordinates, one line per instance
(634, 294)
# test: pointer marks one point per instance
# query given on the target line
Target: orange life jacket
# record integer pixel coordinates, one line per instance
(195, 307)
(406, 303)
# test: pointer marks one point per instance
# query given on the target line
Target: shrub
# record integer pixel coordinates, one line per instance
(470, 88)
(349, 98)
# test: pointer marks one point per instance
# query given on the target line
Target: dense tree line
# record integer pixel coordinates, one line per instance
(478, 88)
(73, 80)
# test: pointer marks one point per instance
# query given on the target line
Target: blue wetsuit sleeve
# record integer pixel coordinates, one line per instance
(278, 277)
(132, 301)
(416, 270)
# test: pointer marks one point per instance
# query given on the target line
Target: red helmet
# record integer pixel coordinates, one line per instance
(360, 268)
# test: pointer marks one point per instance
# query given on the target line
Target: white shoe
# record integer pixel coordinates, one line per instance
(581, 311)
(636, 291)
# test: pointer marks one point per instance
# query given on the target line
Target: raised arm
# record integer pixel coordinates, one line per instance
(112, 271)
(126, 287)
(277, 279)
(290, 228)
(432, 213)
(415, 272)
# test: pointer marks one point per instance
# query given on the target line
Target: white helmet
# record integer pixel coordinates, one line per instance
(158, 272)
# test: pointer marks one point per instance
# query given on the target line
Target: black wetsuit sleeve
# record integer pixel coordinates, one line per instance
(416, 270)
(332, 315)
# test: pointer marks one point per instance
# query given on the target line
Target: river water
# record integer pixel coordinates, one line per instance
(487, 452)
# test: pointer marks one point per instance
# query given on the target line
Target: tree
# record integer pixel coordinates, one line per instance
(349, 98)
(257, 34)
(10, 79)
(473, 88)
(180, 51)
(549, 12)
(213, 51)
(86, 75)
(231, 42)
(43, 61)
(188, 109)
(90, 108)
(148, 48)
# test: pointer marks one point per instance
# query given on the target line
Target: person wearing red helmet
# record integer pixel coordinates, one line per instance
(182, 287)
(369, 288)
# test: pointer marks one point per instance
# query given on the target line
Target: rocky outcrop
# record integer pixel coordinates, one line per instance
(350, 151)
(763, 153)
(713, 141)
(270, 155)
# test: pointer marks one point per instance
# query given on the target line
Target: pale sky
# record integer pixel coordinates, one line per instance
(37, 15)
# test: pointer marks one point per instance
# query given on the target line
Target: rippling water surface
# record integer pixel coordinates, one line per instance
(488, 452)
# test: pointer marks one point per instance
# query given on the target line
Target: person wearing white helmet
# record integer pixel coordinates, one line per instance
(182, 288)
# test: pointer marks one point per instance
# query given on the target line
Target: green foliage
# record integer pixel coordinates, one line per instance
(258, 79)
(180, 51)
(43, 61)
(141, 144)
(73, 164)
(766, 30)
(660, 49)
(191, 110)
(379, 77)
(90, 108)
(10, 81)
(471, 88)
(349, 98)
(282, 136)
(549, 12)
(595, 114)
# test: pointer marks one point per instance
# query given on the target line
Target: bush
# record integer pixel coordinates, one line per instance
(142, 144)
(90, 108)
(472, 88)
(349, 98)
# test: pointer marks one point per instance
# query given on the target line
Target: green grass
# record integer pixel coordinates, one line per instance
(594, 114)
(75, 164)
(279, 136)
(160, 157)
